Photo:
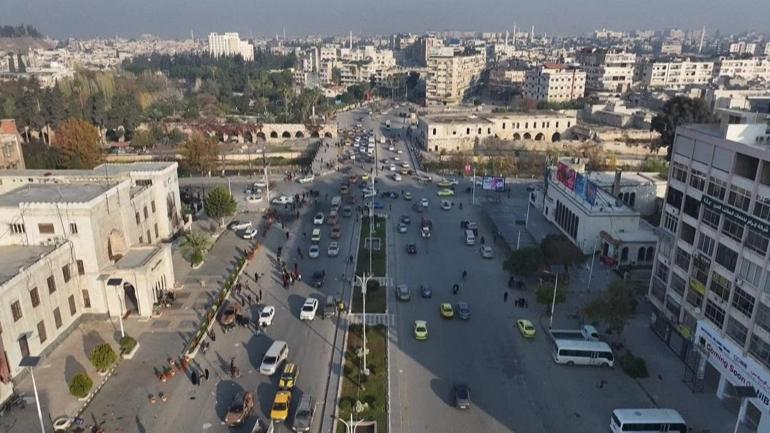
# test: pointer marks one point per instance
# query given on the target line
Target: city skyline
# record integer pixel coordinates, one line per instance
(177, 19)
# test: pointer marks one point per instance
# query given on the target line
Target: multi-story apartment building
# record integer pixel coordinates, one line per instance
(711, 278)
(81, 242)
(607, 71)
(554, 83)
(11, 155)
(457, 132)
(754, 68)
(230, 44)
(676, 75)
(451, 78)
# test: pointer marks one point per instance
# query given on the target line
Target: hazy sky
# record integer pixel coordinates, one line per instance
(175, 18)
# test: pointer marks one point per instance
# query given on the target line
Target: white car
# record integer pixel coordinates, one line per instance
(239, 225)
(399, 151)
(249, 233)
(254, 198)
(307, 179)
(333, 250)
(486, 252)
(395, 158)
(397, 177)
(318, 219)
(308, 309)
(260, 184)
(266, 316)
(314, 251)
(446, 204)
(370, 193)
(283, 199)
(392, 167)
(391, 148)
(405, 164)
(424, 202)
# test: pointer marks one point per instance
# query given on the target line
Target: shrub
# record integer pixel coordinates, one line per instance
(196, 258)
(371, 401)
(102, 357)
(634, 366)
(80, 385)
(346, 404)
(127, 344)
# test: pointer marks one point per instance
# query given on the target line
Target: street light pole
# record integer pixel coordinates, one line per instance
(591, 271)
(364, 281)
(553, 301)
(526, 219)
(351, 425)
(31, 362)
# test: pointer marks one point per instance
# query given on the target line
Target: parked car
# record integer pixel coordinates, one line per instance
(309, 309)
(249, 233)
(266, 315)
(280, 410)
(303, 415)
(462, 396)
(289, 376)
(239, 225)
(240, 408)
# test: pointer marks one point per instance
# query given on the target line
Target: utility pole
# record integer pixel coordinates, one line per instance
(553, 301)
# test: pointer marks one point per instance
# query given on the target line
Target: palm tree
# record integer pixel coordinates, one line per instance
(197, 244)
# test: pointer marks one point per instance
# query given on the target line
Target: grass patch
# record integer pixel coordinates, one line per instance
(375, 298)
(379, 257)
(372, 390)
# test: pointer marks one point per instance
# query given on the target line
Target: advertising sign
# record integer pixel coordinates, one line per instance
(736, 216)
(493, 184)
(726, 357)
(591, 193)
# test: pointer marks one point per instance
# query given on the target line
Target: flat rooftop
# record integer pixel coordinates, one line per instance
(136, 257)
(105, 170)
(54, 193)
(486, 117)
(14, 257)
(627, 178)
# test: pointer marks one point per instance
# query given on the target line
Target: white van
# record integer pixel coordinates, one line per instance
(470, 238)
(647, 421)
(581, 352)
(274, 357)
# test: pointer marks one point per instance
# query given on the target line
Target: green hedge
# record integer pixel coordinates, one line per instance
(81, 385)
(103, 356)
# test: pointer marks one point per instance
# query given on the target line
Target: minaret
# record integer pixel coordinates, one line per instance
(284, 33)
(514, 34)
(532, 35)
(702, 36)
(351, 40)
(506, 38)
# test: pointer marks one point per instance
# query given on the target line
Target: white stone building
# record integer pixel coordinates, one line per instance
(460, 131)
(554, 83)
(81, 242)
(755, 68)
(607, 71)
(230, 44)
(452, 77)
(710, 280)
(677, 75)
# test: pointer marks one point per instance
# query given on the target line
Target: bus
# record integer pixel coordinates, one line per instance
(647, 421)
(581, 352)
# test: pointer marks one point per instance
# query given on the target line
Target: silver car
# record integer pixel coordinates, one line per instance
(486, 252)
(403, 293)
(303, 416)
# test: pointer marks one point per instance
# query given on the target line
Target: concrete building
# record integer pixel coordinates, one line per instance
(230, 44)
(607, 71)
(554, 83)
(595, 219)
(677, 75)
(710, 280)
(459, 131)
(451, 78)
(755, 68)
(81, 243)
(643, 192)
(670, 48)
(11, 156)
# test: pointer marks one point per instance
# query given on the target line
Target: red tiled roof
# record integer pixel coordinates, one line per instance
(8, 126)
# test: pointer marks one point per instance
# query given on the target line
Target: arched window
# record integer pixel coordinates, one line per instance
(624, 255)
(650, 253)
(632, 199)
(467, 131)
(640, 254)
(434, 131)
(503, 125)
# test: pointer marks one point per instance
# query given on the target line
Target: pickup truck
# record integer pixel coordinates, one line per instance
(585, 332)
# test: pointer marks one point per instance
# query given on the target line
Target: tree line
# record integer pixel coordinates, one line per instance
(19, 31)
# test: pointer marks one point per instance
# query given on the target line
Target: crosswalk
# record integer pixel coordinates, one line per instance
(372, 319)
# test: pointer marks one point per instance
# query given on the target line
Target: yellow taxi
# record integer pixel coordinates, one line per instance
(289, 376)
(280, 410)
(447, 310)
(526, 328)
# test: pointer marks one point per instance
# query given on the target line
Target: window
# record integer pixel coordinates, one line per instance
(743, 302)
(720, 286)
(760, 349)
(700, 266)
(658, 290)
(726, 257)
(763, 317)
(149, 237)
(673, 306)
(717, 188)
(737, 331)
(695, 299)
(733, 230)
(157, 235)
(750, 272)
(51, 284)
(682, 259)
(762, 207)
(138, 218)
(756, 242)
(34, 297)
(670, 222)
(697, 179)
(73, 309)
(674, 198)
(715, 314)
(711, 218)
(65, 271)
(679, 172)
(73, 228)
(17, 229)
(45, 229)
(86, 299)
(152, 206)
(41, 331)
(16, 311)
(691, 207)
(706, 244)
(146, 214)
(141, 239)
(661, 271)
(677, 284)
(688, 233)
(81, 267)
(739, 197)
(57, 317)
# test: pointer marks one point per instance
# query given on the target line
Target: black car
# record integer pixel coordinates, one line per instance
(426, 291)
(406, 219)
(318, 278)
(463, 310)
(462, 396)
(417, 207)
(411, 249)
(389, 194)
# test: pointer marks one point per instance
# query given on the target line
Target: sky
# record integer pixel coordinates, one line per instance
(176, 18)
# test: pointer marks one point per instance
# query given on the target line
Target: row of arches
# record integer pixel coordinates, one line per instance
(538, 137)
(252, 137)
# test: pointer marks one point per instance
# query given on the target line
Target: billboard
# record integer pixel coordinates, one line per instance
(490, 183)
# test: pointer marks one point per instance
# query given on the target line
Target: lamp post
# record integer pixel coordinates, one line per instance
(364, 282)
(553, 301)
(351, 425)
(31, 362)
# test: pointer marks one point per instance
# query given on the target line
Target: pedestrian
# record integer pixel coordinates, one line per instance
(260, 295)
(304, 234)
(248, 298)
(212, 335)
(526, 304)
(194, 378)
(287, 236)
(350, 259)
(256, 277)
(505, 297)
(295, 267)
(206, 374)
(482, 240)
